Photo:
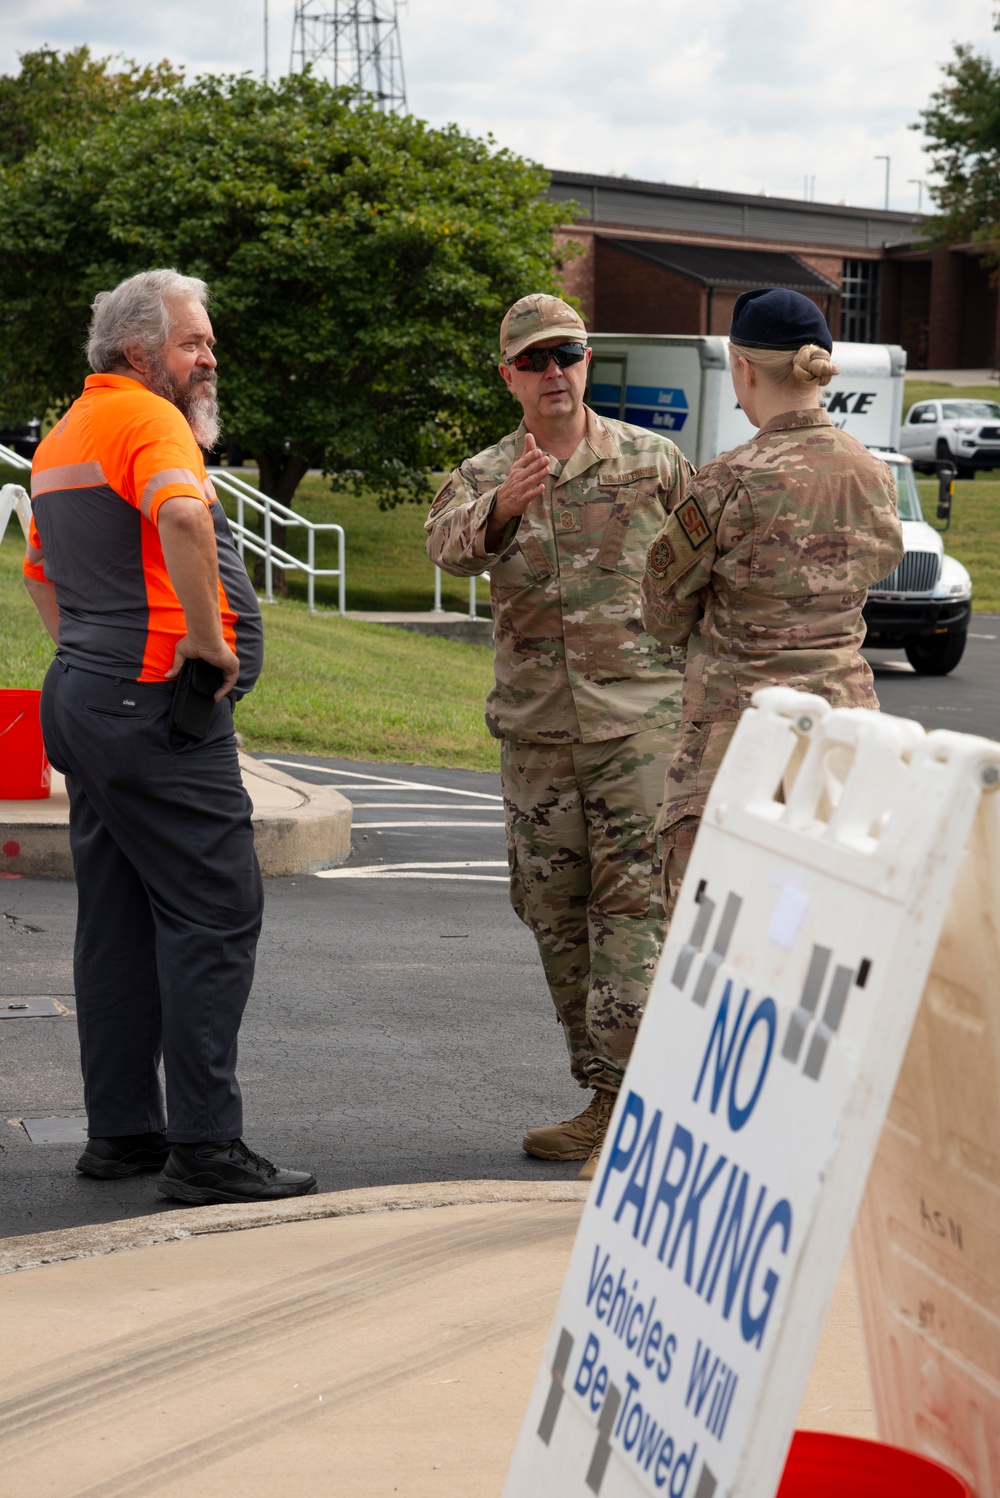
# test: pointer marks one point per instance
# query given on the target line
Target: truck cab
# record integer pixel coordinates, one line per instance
(925, 604)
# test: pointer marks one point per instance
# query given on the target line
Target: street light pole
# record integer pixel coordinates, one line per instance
(266, 59)
(918, 184)
(887, 160)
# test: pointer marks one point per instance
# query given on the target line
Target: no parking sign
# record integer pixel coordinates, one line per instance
(740, 1143)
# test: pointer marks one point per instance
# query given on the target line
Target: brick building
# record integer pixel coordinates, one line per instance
(664, 259)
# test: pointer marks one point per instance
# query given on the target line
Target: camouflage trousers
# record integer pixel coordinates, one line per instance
(700, 750)
(585, 880)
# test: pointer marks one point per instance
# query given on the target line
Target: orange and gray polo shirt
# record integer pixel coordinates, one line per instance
(97, 483)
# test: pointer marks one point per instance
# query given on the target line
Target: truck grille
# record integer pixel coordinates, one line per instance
(990, 432)
(918, 572)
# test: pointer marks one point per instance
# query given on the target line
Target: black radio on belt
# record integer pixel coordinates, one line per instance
(195, 698)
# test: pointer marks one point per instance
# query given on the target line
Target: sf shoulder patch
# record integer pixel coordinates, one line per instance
(693, 523)
(661, 555)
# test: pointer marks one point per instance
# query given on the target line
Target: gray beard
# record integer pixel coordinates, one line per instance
(197, 401)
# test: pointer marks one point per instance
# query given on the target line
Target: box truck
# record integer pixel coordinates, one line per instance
(680, 385)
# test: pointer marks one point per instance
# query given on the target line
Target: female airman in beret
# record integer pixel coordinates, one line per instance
(760, 574)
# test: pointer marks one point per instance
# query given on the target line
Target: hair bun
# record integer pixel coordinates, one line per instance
(812, 365)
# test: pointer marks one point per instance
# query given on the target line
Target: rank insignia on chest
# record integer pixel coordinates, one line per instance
(661, 554)
(693, 523)
(567, 520)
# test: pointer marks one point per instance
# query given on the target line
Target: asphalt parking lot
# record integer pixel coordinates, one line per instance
(399, 1028)
(967, 701)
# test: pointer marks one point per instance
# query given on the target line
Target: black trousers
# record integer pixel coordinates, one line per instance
(170, 901)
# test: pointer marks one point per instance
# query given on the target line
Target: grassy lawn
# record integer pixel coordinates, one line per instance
(330, 685)
(367, 691)
(27, 649)
(974, 535)
(917, 389)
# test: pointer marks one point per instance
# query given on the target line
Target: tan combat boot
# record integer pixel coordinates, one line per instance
(577, 1137)
(588, 1169)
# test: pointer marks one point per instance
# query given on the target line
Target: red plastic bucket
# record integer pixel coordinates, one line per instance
(24, 769)
(826, 1466)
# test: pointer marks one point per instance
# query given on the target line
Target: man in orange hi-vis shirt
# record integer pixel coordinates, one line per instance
(132, 567)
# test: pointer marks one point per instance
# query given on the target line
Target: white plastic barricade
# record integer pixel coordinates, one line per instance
(738, 1150)
(926, 1247)
(14, 500)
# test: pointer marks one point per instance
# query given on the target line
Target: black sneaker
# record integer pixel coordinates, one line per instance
(228, 1172)
(124, 1155)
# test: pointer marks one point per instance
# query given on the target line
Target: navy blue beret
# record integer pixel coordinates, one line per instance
(778, 319)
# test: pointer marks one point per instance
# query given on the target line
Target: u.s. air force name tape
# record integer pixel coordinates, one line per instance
(737, 1153)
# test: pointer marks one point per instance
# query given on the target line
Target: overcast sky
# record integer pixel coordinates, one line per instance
(746, 95)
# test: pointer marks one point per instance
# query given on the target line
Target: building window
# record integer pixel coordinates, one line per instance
(859, 302)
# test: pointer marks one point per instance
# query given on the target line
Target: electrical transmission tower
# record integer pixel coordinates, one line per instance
(353, 44)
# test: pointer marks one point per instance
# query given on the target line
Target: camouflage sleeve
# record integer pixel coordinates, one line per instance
(682, 483)
(679, 562)
(456, 526)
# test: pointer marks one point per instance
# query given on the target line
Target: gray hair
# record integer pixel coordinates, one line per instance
(136, 312)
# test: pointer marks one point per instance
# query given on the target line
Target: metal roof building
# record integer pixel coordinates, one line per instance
(654, 257)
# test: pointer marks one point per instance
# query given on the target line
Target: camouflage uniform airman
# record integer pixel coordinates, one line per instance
(761, 576)
(587, 708)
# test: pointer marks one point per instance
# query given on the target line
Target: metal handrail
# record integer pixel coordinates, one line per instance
(245, 494)
(263, 546)
(437, 609)
(11, 459)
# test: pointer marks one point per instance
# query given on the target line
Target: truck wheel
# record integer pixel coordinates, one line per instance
(938, 654)
(943, 451)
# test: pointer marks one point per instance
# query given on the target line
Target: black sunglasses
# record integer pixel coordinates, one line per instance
(536, 360)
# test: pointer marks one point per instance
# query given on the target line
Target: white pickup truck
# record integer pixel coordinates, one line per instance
(679, 384)
(960, 431)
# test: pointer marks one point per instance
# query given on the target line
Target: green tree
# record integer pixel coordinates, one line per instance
(58, 96)
(962, 126)
(360, 264)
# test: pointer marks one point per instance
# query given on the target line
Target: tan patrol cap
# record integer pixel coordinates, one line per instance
(535, 318)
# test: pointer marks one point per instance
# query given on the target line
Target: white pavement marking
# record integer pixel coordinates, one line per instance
(497, 826)
(434, 863)
(408, 785)
(422, 871)
(376, 873)
(415, 806)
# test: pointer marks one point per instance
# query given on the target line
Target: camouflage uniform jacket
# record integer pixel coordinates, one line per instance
(571, 661)
(763, 571)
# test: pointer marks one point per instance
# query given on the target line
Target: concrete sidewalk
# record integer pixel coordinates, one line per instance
(298, 827)
(362, 1343)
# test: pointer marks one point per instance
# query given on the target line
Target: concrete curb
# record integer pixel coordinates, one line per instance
(298, 828)
(34, 1250)
(35, 850)
(446, 625)
(298, 839)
